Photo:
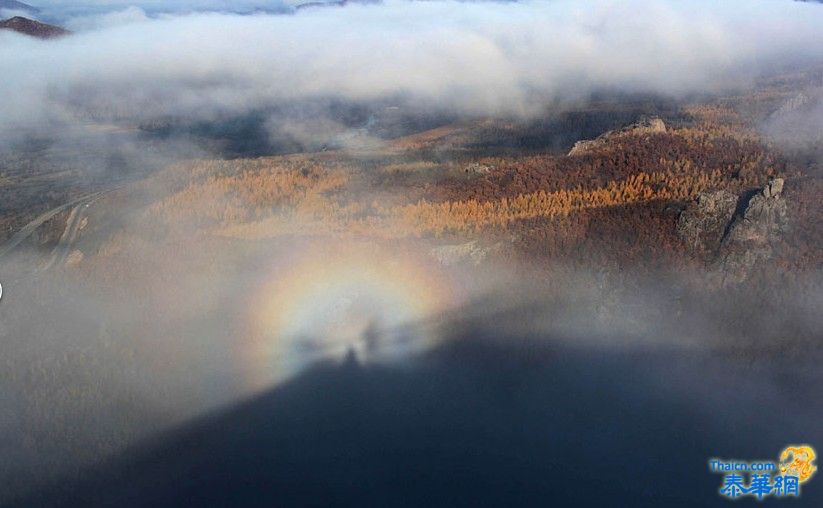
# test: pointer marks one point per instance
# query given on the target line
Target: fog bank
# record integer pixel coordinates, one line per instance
(467, 58)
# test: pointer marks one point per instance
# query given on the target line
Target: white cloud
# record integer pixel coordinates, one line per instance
(63, 11)
(473, 58)
(110, 19)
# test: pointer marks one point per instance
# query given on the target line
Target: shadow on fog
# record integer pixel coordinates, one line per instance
(473, 423)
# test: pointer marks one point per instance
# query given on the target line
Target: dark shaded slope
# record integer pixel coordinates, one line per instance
(478, 424)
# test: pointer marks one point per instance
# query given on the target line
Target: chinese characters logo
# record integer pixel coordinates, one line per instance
(795, 466)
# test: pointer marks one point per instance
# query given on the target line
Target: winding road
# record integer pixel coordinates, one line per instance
(62, 249)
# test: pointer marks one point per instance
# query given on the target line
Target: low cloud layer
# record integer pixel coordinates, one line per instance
(466, 58)
(64, 10)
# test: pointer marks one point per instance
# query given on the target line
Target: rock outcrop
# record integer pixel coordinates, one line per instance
(754, 232)
(773, 189)
(703, 224)
(644, 126)
(475, 168)
(464, 253)
(737, 233)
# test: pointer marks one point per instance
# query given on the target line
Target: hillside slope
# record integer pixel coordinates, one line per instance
(33, 28)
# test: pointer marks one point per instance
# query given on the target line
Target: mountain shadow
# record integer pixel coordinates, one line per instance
(477, 422)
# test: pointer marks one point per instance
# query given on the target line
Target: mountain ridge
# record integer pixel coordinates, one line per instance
(33, 28)
(18, 6)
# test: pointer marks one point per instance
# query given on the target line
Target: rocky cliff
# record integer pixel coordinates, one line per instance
(644, 126)
(736, 233)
